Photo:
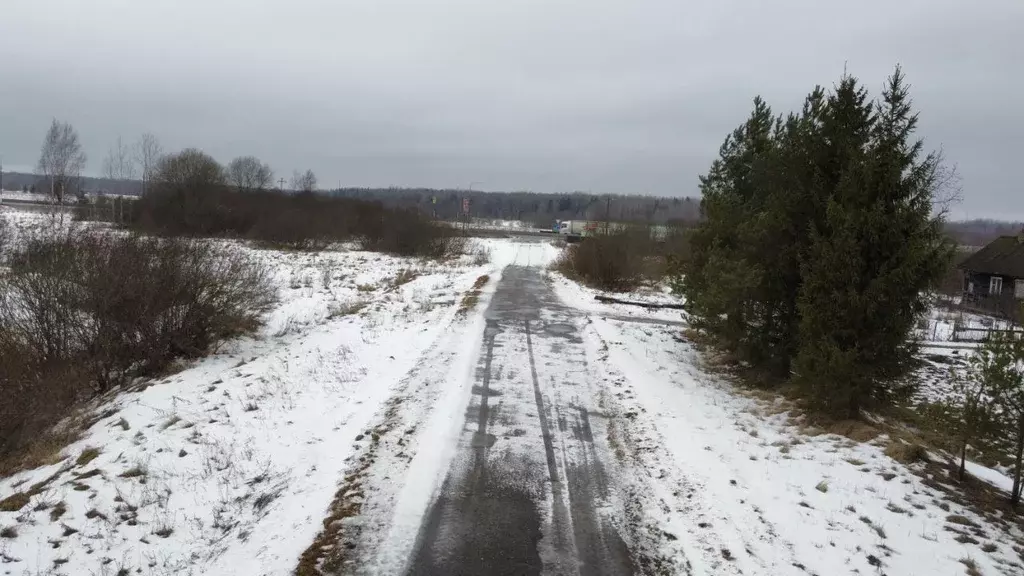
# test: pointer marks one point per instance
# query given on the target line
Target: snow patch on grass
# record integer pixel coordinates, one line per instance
(723, 471)
(228, 466)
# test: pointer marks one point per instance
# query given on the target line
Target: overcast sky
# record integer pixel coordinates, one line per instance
(630, 96)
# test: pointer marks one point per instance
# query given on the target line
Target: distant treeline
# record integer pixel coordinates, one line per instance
(537, 209)
(87, 184)
(980, 232)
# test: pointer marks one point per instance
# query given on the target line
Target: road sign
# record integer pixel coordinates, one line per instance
(465, 205)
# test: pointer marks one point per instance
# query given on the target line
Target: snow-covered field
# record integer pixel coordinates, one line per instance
(743, 491)
(230, 465)
(227, 466)
(944, 325)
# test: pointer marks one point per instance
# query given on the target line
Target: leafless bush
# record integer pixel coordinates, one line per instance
(306, 220)
(619, 261)
(81, 312)
(114, 209)
(249, 174)
(5, 238)
(481, 255)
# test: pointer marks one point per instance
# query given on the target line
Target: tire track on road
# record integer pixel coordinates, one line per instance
(529, 495)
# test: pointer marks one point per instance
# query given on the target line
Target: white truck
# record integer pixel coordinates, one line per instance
(577, 229)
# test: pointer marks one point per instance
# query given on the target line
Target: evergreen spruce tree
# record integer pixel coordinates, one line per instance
(879, 249)
(719, 278)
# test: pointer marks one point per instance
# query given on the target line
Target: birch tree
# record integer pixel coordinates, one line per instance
(61, 159)
(147, 155)
(304, 181)
(119, 165)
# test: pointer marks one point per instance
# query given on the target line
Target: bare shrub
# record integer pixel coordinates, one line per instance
(74, 322)
(614, 262)
(306, 220)
(906, 452)
(249, 174)
(114, 209)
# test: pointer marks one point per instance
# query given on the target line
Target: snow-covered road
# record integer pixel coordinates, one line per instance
(402, 417)
(527, 491)
(589, 439)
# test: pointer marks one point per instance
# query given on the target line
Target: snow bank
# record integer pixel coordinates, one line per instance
(227, 467)
(743, 491)
(583, 298)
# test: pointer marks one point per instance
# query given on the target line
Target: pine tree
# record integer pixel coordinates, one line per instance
(817, 243)
(720, 276)
(871, 261)
(1000, 363)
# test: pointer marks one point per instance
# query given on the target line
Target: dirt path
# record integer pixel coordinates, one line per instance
(526, 488)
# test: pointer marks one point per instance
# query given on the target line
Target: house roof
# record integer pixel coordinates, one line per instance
(1004, 256)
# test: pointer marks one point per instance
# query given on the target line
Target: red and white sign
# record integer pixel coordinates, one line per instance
(465, 205)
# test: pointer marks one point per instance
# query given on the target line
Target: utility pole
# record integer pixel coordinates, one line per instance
(280, 184)
(465, 207)
(607, 214)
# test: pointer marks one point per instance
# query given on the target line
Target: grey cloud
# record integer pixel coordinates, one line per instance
(552, 95)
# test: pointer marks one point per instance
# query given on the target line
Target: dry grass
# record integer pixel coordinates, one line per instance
(895, 509)
(137, 471)
(972, 567)
(855, 430)
(403, 277)
(339, 309)
(906, 452)
(58, 510)
(46, 450)
(15, 502)
(87, 455)
(469, 301)
(170, 422)
(327, 553)
(961, 520)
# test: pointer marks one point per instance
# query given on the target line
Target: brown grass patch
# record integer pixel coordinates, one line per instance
(962, 520)
(44, 451)
(855, 430)
(404, 277)
(469, 301)
(87, 455)
(972, 567)
(136, 471)
(328, 551)
(58, 510)
(15, 502)
(906, 452)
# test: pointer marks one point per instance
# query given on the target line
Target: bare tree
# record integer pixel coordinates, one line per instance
(248, 174)
(61, 160)
(119, 165)
(304, 181)
(147, 155)
(190, 170)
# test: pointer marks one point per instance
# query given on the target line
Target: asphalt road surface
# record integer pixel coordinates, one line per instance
(525, 492)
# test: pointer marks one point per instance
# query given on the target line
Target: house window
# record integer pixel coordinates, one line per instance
(995, 286)
(1018, 289)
